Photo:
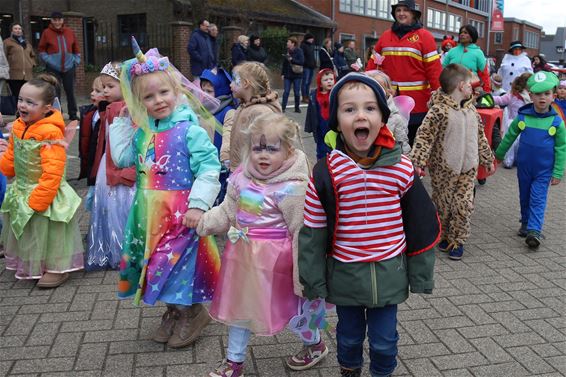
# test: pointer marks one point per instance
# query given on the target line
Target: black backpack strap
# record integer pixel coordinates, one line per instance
(325, 190)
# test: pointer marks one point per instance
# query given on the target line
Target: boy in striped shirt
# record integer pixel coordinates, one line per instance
(369, 229)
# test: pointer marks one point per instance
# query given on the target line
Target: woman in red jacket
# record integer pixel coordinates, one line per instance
(410, 59)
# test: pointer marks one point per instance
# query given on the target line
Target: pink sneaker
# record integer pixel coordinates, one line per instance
(227, 368)
(308, 357)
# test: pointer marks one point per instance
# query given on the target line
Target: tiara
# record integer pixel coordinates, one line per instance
(109, 70)
(146, 64)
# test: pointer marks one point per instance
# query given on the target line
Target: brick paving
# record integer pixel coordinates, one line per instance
(498, 312)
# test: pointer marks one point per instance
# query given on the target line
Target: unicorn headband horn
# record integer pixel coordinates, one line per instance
(137, 50)
(153, 62)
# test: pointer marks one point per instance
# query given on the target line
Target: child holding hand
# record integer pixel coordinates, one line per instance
(177, 180)
(258, 289)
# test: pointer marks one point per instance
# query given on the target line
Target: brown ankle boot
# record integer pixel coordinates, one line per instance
(52, 279)
(188, 327)
(165, 329)
(306, 99)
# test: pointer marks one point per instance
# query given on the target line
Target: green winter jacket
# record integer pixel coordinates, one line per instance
(372, 284)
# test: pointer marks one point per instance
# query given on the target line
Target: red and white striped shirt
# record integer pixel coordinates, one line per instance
(369, 220)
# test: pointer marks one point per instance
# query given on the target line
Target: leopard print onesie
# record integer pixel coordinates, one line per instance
(451, 143)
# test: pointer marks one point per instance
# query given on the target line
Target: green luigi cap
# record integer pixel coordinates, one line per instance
(542, 81)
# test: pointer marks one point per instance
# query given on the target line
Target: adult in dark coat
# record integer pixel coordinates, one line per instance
(239, 50)
(310, 64)
(200, 50)
(255, 52)
(213, 34)
(294, 56)
(325, 54)
(21, 59)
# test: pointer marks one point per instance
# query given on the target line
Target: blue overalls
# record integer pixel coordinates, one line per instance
(535, 162)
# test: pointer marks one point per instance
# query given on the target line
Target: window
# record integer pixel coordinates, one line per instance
(498, 39)
(531, 39)
(132, 24)
(347, 37)
(479, 26)
(436, 19)
(515, 33)
(371, 8)
(358, 6)
(454, 23)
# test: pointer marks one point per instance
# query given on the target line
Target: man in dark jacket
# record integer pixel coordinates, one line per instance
(309, 66)
(59, 50)
(200, 50)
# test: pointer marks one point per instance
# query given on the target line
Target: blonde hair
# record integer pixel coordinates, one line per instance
(382, 78)
(255, 74)
(273, 124)
(97, 83)
(243, 39)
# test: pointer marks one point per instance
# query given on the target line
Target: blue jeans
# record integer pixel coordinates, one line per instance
(296, 91)
(307, 79)
(238, 339)
(382, 333)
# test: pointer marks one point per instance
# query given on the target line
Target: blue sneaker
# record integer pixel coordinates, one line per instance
(456, 252)
(443, 245)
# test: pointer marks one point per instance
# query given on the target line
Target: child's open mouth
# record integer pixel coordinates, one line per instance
(361, 133)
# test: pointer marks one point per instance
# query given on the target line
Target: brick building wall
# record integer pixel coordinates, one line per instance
(368, 28)
(515, 29)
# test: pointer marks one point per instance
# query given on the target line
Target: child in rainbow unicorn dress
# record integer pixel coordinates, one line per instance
(177, 180)
(258, 290)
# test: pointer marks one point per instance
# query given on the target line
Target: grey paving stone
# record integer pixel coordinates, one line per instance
(75, 373)
(482, 331)
(522, 339)
(149, 372)
(164, 358)
(422, 367)
(444, 306)
(104, 310)
(558, 362)
(491, 350)
(92, 325)
(135, 346)
(66, 344)
(91, 356)
(110, 335)
(127, 319)
(530, 360)
(500, 370)
(476, 314)
(463, 360)
(423, 350)
(510, 322)
(454, 341)
(119, 365)
(43, 334)
(20, 353)
(21, 325)
(43, 365)
(457, 373)
(419, 332)
(546, 330)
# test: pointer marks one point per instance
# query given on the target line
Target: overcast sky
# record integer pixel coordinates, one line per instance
(549, 14)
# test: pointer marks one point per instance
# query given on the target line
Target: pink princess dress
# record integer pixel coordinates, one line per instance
(258, 275)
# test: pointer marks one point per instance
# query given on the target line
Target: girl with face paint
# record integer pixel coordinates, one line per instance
(258, 290)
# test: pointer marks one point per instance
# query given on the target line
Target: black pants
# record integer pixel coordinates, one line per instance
(414, 123)
(15, 86)
(67, 79)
